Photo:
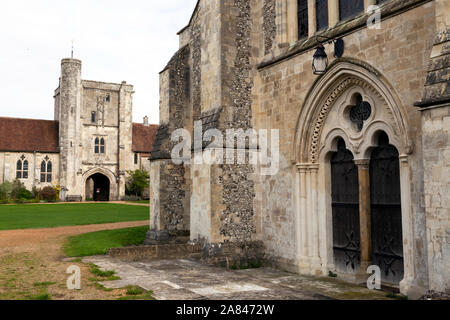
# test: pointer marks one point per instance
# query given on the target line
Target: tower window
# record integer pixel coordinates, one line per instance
(350, 8)
(108, 98)
(99, 146)
(102, 145)
(93, 116)
(46, 171)
(321, 14)
(136, 158)
(302, 16)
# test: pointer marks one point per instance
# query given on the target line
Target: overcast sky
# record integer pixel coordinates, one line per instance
(116, 40)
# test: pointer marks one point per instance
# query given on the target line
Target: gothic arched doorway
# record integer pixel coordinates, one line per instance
(98, 187)
(345, 211)
(386, 211)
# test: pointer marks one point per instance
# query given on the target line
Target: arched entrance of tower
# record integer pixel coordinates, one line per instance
(351, 151)
(98, 187)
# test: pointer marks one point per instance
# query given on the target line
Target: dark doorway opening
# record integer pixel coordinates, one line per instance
(345, 206)
(100, 185)
(387, 235)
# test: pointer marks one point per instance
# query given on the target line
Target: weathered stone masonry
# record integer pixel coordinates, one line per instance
(249, 70)
(269, 25)
(238, 221)
(174, 187)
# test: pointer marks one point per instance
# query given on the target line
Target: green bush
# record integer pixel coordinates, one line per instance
(25, 194)
(5, 190)
(20, 192)
(48, 194)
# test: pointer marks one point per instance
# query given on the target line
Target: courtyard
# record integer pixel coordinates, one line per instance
(39, 242)
(32, 240)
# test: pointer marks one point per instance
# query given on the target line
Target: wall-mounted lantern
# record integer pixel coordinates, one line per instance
(320, 58)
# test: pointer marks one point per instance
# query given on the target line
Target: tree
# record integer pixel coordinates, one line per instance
(137, 182)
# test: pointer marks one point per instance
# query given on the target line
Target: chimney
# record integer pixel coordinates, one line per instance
(146, 121)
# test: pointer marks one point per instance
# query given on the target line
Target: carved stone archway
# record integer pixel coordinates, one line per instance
(324, 118)
(113, 193)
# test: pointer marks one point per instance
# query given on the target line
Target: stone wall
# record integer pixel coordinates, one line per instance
(435, 106)
(244, 75)
(8, 165)
(237, 220)
(436, 142)
(171, 195)
(398, 52)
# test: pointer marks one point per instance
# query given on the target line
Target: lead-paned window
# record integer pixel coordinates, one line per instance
(350, 8)
(46, 171)
(302, 16)
(321, 14)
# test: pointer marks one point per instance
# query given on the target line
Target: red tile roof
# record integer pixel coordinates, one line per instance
(27, 135)
(144, 137)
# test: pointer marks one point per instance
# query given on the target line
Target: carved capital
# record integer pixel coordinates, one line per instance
(363, 164)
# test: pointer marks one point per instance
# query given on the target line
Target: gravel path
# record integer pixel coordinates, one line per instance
(30, 238)
(33, 256)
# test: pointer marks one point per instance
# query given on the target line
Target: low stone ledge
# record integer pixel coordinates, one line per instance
(234, 255)
(229, 255)
(156, 252)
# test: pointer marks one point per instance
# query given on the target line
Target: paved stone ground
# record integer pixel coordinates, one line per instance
(192, 280)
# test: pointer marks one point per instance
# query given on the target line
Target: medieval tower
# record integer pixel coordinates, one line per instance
(90, 146)
(95, 134)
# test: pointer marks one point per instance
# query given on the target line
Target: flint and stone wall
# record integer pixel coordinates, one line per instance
(248, 71)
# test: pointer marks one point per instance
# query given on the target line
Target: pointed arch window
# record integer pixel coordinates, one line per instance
(99, 145)
(46, 170)
(22, 168)
(19, 169)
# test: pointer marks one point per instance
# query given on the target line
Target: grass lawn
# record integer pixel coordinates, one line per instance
(140, 202)
(58, 215)
(98, 243)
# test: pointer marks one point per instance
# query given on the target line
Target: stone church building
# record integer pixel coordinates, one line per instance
(364, 173)
(88, 148)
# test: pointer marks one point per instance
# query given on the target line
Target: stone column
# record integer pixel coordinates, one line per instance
(365, 213)
(292, 21)
(311, 17)
(333, 13)
(281, 19)
(407, 228)
(304, 261)
(316, 262)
